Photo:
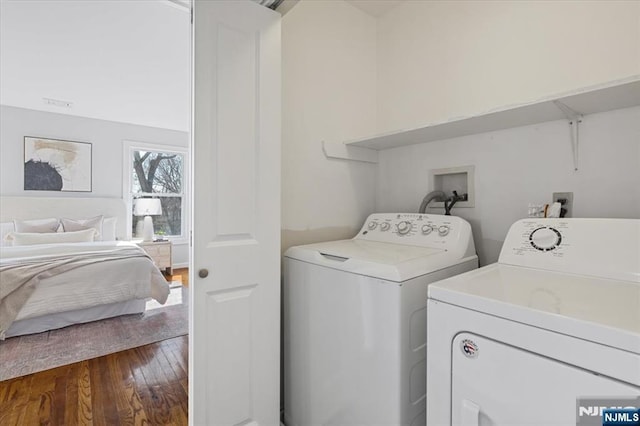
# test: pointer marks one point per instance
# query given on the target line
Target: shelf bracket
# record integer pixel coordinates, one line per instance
(345, 152)
(575, 118)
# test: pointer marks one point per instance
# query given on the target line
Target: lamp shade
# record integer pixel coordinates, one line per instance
(147, 207)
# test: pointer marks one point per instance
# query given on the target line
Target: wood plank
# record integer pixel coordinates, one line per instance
(172, 354)
(152, 394)
(102, 391)
(130, 408)
(151, 370)
(16, 396)
(84, 404)
(180, 351)
(71, 396)
(60, 396)
(38, 408)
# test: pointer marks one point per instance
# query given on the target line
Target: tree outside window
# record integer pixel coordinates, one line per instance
(160, 175)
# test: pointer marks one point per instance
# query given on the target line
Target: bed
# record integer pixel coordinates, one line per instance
(72, 281)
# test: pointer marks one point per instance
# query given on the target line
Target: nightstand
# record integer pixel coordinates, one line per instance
(160, 252)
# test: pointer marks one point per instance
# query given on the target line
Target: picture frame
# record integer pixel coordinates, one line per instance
(57, 165)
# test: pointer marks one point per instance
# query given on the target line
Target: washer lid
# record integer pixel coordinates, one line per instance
(599, 310)
(393, 262)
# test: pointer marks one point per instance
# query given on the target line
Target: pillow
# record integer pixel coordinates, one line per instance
(71, 225)
(33, 238)
(40, 225)
(5, 229)
(109, 229)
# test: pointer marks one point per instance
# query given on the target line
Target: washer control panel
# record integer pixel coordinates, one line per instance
(429, 230)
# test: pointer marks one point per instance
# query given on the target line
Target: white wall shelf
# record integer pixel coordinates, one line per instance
(606, 97)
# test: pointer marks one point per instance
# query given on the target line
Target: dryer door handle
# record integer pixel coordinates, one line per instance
(469, 413)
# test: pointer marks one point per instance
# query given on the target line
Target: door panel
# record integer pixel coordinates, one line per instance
(234, 353)
(237, 102)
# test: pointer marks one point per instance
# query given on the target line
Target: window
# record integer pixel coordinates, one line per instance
(157, 171)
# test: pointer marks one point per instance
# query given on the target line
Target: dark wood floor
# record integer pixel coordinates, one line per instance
(145, 385)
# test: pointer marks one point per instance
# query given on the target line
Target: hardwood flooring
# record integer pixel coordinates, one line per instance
(145, 385)
(181, 274)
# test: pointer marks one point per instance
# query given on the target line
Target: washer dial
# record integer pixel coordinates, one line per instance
(404, 227)
(372, 225)
(426, 229)
(545, 238)
(385, 226)
(443, 230)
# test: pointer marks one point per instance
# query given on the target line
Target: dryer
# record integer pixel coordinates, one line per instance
(355, 319)
(548, 335)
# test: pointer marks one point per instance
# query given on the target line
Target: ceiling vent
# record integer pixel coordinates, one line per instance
(271, 4)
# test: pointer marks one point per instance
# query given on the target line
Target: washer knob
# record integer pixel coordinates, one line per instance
(426, 229)
(385, 226)
(404, 227)
(443, 230)
(372, 225)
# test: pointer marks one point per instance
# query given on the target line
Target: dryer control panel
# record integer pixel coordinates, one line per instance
(607, 248)
(425, 230)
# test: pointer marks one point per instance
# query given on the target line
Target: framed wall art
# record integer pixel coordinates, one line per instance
(56, 165)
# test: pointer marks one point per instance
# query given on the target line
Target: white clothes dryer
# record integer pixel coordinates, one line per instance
(544, 334)
(355, 319)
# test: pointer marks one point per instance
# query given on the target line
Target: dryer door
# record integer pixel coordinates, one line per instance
(497, 384)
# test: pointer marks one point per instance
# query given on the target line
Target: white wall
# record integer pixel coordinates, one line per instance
(519, 166)
(329, 93)
(106, 138)
(125, 61)
(440, 60)
(443, 59)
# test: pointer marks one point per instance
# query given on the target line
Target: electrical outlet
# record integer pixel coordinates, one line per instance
(566, 199)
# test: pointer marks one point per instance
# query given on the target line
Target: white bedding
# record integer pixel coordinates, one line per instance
(91, 285)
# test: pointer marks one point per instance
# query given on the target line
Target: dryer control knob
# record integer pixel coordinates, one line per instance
(426, 229)
(385, 226)
(443, 230)
(372, 225)
(404, 227)
(545, 238)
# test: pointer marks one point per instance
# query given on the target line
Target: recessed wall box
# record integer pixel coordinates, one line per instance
(460, 179)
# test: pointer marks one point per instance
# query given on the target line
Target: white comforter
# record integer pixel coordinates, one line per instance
(91, 285)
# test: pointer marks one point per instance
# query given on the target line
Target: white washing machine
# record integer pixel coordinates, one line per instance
(355, 319)
(548, 335)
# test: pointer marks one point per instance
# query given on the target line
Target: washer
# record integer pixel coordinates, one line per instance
(355, 319)
(548, 335)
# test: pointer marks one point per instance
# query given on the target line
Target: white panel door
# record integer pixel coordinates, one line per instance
(235, 315)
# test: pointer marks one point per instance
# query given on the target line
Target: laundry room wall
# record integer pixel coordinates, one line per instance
(438, 60)
(442, 60)
(525, 165)
(329, 94)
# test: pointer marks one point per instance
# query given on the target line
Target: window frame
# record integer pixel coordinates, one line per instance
(127, 180)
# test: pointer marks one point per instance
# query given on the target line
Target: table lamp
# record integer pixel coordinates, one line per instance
(147, 207)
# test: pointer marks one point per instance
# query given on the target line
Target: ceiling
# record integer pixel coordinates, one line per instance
(375, 8)
(125, 61)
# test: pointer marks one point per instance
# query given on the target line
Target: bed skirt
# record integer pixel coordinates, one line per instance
(64, 319)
